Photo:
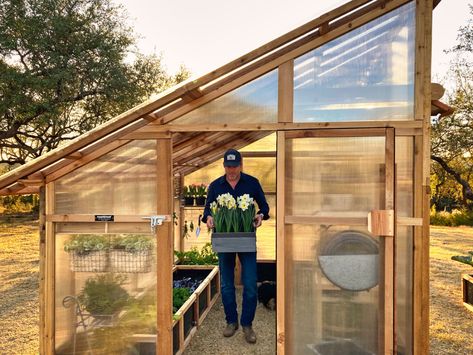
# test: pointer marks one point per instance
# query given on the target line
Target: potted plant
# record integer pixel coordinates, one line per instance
(88, 252)
(234, 229)
(467, 280)
(131, 253)
(201, 195)
(188, 196)
(103, 296)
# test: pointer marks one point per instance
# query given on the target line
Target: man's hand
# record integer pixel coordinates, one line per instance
(210, 222)
(258, 220)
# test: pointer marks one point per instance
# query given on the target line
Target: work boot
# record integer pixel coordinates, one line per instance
(230, 329)
(250, 335)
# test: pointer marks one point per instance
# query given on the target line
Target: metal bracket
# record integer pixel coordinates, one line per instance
(155, 220)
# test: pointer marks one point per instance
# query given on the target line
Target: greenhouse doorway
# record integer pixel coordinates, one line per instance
(335, 241)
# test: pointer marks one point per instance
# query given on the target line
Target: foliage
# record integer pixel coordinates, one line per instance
(206, 256)
(132, 243)
(452, 219)
(86, 243)
(452, 136)
(19, 204)
(232, 215)
(179, 297)
(186, 191)
(67, 66)
(465, 259)
(104, 294)
(201, 190)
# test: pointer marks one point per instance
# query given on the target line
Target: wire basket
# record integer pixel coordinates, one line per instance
(130, 262)
(94, 261)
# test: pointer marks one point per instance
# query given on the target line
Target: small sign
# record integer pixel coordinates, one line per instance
(104, 218)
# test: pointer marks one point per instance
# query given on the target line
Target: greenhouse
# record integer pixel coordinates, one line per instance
(332, 118)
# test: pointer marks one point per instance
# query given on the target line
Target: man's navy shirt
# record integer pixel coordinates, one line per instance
(246, 185)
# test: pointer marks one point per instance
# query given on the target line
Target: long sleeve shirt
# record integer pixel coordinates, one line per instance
(246, 185)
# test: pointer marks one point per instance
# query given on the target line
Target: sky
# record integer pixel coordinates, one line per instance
(204, 35)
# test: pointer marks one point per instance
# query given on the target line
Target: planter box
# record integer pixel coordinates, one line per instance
(126, 262)
(95, 261)
(241, 242)
(467, 291)
(191, 314)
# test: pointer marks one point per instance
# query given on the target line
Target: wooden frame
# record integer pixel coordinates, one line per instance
(387, 305)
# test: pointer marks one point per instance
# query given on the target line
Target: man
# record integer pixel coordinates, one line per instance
(237, 184)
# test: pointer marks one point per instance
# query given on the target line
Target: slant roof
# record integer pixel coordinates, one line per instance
(172, 103)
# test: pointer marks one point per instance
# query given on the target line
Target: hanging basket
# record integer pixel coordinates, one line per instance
(94, 261)
(130, 262)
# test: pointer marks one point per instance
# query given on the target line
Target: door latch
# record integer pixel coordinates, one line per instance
(155, 220)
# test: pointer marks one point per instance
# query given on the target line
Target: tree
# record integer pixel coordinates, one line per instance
(452, 136)
(65, 67)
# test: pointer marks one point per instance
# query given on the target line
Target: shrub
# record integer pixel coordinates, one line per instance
(133, 243)
(453, 219)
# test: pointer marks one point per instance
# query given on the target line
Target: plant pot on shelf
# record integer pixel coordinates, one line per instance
(200, 200)
(234, 242)
(188, 201)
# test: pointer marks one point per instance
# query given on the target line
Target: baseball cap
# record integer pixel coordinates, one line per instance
(232, 157)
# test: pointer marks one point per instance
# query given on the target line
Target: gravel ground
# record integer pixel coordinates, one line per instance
(209, 339)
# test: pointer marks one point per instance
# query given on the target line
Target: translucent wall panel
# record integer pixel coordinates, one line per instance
(404, 243)
(104, 295)
(366, 74)
(255, 102)
(264, 169)
(120, 182)
(333, 178)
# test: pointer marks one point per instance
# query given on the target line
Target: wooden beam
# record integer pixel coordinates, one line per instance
(165, 247)
(280, 245)
(422, 97)
(87, 218)
(42, 271)
(288, 126)
(286, 91)
(50, 273)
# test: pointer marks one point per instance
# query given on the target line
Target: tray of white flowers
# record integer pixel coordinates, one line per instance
(234, 230)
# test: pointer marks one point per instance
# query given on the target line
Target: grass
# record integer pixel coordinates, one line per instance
(451, 325)
(19, 283)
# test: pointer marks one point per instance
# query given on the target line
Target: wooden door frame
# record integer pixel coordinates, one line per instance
(387, 332)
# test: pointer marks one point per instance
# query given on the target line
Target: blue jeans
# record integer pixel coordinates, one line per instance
(226, 263)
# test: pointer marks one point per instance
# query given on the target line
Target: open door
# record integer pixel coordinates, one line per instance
(335, 242)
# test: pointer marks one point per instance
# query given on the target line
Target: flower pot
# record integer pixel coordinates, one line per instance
(94, 261)
(188, 201)
(200, 200)
(130, 262)
(235, 242)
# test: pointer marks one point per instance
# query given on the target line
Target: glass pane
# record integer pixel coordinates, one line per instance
(105, 292)
(332, 279)
(367, 74)
(120, 182)
(404, 243)
(255, 102)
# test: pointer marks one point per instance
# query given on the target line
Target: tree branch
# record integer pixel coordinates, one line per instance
(466, 188)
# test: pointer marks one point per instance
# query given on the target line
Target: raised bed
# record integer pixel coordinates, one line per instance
(191, 314)
(467, 291)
